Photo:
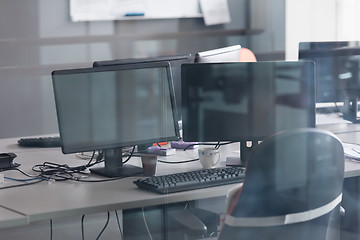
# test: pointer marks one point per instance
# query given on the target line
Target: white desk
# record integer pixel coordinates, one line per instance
(60, 199)
(10, 218)
(347, 133)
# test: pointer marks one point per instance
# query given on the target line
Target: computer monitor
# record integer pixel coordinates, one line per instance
(109, 108)
(337, 74)
(226, 54)
(175, 65)
(244, 102)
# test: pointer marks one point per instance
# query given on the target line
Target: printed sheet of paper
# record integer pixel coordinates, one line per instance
(81, 10)
(87, 10)
(215, 11)
(92, 10)
(352, 151)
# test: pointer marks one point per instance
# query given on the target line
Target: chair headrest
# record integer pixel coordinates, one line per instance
(293, 171)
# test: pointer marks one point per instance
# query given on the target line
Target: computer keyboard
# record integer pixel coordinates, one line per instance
(42, 142)
(192, 180)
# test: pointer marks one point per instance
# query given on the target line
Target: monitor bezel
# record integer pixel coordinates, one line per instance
(71, 148)
(172, 59)
(336, 50)
(142, 60)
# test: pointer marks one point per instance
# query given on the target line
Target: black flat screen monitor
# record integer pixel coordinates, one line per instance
(175, 65)
(226, 54)
(108, 108)
(337, 73)
(246, 101)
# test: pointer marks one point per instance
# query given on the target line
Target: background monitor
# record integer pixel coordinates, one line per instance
(337, 73)
(108, 108)
(226, 54)
(246, 101)
(175, 64)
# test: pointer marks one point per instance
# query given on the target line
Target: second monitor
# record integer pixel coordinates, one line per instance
(246, 101)
(175, 62)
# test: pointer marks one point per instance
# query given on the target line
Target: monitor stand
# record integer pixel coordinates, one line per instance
(351, 109)
(143, 148)
(114, 166)
(244, 154)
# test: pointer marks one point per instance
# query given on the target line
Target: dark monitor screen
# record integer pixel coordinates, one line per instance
(246, 101)
(337, 65)
(226, 54)
(175, 64)
(113, 107)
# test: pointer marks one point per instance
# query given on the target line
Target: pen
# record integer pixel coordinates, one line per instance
(134, 14)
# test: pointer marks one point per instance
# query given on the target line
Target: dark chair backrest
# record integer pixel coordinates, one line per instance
(297, 174)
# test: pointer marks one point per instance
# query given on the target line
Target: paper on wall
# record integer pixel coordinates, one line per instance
(215, 11)
(352, 151)
(87, 10)
(94, 10)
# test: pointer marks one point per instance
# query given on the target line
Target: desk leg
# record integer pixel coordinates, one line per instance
(161, 222)
(138, 224)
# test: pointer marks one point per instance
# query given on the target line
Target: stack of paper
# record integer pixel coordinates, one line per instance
(352, 151)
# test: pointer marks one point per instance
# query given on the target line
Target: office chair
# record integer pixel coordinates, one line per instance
(293, 185)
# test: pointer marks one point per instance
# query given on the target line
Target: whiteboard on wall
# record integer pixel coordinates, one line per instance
(98, 10)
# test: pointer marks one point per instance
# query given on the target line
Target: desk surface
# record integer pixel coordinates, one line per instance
(60, 199)
(347, 133)
(10, 218)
